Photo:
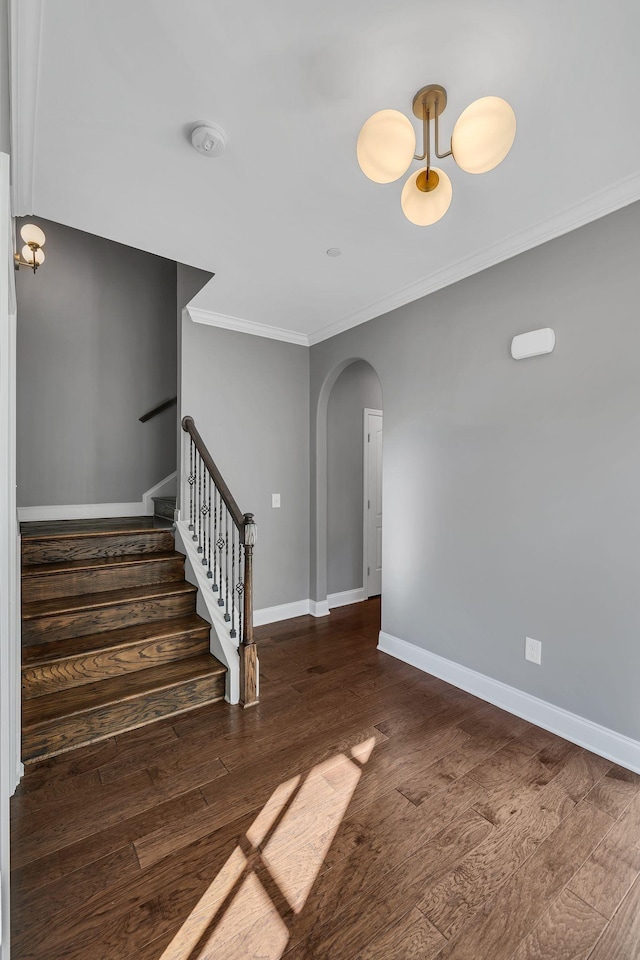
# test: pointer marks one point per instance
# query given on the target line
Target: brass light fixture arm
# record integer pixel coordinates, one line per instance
(428, 104)
(423, 155)
(449, 152)
(19, 262)
(426, 137)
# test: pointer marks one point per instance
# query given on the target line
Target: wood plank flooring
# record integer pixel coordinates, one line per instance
(363, 811)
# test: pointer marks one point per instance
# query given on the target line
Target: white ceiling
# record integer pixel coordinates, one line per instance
(103, 121)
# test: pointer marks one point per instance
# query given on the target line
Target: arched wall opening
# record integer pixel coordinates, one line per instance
(348, 389)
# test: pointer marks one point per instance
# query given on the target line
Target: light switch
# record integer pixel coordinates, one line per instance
(275, 499)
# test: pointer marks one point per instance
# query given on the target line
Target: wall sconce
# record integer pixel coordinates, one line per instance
(32, 254)
(482, 137)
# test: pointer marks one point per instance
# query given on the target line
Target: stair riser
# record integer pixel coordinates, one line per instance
(164, 509)
(49, 739)
(76, 671)
(67, 584)
(63, 625)
(58, 549)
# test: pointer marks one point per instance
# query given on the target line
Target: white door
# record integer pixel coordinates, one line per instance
(372, 538)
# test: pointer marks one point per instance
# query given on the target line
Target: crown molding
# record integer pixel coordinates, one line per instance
(599, 204)
(26, 46)
(246, 326)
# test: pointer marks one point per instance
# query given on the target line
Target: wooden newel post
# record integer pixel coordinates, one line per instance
(248, 652)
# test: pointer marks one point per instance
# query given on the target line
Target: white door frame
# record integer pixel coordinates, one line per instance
(10, 766)
(365, 498)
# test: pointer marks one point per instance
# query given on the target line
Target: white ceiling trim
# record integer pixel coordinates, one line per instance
(26, 46)
(611, 198)
(246, 326)
(598, 205)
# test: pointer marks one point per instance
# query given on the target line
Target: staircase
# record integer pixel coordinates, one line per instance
(110, 637)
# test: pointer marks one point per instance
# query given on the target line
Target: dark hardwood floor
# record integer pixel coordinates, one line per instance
(362, 810)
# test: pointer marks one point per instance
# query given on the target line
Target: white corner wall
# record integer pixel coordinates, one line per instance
(10, 766)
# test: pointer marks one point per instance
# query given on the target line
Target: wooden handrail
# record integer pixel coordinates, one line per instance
(158, 409)
(238, 517)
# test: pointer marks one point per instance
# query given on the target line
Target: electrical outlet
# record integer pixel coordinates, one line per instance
(533, 650)
(275, 499)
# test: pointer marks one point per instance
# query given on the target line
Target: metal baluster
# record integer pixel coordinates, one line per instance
(191, 480)
(240, 583)
(214, 585)
(195, 496)
(220, 543)
(227, 615)
(233, 580)
(209, 574)
(205, 513)
(199, 538)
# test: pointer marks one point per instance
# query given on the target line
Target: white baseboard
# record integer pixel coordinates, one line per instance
(282, 611)
(286, 611)
(592, 736)
(319, 608)
(81, 511)
(345, 598)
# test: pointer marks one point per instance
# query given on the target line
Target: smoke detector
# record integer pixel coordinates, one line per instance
(209, 139)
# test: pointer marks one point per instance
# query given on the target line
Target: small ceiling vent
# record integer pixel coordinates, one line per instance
(209, 139)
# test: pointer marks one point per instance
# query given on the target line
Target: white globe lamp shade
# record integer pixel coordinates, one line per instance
(28, 255)
(386, 146)
(483, 134)
(424, 207)
(32, 234)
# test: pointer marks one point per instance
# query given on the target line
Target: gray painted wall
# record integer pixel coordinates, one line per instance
(96, 350)
(249, 398)
(357, 387)
(511, 488)
(5, 138)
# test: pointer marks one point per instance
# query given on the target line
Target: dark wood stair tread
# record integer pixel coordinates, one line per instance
(92, 696)
(39, 653)
(43, 529)
(97, 563)
(108, 598)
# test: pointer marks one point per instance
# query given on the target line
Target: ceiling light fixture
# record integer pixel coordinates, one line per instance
(32, 254)
(482, 137)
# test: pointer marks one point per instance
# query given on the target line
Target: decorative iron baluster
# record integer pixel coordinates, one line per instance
(199, 537)
(204, 510)
(220, 545)
(240, 583)
(214, 585)
(209, 573)
(227, 615)
(195, 496)
(234, 531)
(191, 479)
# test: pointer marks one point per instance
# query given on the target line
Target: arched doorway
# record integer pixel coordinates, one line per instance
(350, 393)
